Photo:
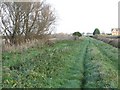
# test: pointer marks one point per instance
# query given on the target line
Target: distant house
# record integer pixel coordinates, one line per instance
(115, 31)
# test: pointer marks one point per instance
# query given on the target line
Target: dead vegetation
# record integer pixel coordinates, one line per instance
(110, 40)
(23, 46)
(25, 23)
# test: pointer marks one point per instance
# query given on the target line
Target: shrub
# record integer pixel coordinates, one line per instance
(96, 31)
(77, 34)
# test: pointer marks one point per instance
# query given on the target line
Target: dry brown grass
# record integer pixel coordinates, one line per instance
(112, 41)
(28, 44)
(50, 42)
(23, 46)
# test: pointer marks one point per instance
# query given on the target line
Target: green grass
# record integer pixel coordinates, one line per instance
(85, 63)
(44, 67)
(100, 71)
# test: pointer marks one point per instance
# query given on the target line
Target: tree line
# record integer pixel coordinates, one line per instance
(23, 21)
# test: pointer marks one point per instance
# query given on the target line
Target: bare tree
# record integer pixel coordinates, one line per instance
(46, 19)
(26, 20)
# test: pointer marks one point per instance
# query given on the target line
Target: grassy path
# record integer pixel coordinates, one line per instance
(100, 70)
(85, 63)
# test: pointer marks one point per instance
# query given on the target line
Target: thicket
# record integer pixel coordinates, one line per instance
(26, 21)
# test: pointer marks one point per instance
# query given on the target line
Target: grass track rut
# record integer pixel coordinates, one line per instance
(99, 72)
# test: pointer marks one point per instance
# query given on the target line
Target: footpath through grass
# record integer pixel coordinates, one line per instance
(67, 64)
(101, 65)
(57, 66)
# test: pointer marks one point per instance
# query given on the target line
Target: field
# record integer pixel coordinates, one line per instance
(84, 63)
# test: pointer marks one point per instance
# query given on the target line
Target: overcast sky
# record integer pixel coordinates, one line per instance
(85, 15)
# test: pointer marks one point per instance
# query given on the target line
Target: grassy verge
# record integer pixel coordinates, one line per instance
(46, 67)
